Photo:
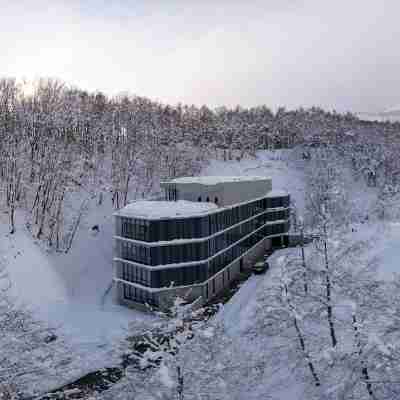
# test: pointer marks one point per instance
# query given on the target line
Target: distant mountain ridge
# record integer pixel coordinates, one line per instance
(391, 114)
(392, 111)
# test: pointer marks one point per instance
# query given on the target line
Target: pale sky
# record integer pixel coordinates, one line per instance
(341, 54)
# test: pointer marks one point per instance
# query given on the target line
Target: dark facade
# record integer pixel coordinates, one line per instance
(152, 255)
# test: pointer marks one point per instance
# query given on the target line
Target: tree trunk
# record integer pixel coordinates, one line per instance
(364, 368)
(302, 342)
(12, 220)
(328, 295)
(303, 261)
(305, 353)
(180, 383)
(126, 189)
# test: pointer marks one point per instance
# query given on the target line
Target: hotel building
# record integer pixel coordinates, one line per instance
(196, 241)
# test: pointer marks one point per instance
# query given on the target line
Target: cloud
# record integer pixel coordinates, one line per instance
(338, 55)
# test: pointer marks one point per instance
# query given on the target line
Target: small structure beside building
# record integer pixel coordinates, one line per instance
(196, 241)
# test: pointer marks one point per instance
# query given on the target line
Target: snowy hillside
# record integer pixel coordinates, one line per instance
(71, 291)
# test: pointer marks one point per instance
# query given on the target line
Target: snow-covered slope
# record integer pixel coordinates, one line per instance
(71, 291)
(274, 165)
(385, 238)
(239, 314)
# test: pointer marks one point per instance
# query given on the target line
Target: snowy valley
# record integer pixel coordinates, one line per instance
(322, 326)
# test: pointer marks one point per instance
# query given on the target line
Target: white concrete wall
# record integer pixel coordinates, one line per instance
(237, 192)
(228, 193)
(192, 191)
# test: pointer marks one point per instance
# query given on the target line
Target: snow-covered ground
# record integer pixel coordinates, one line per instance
(68, 290)
(240, 312)
(72, 291)
(238, 315)
(384, 239)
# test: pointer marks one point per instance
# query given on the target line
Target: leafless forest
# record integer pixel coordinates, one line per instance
(60, 140)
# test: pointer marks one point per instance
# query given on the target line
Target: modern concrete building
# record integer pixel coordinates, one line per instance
(194, 243)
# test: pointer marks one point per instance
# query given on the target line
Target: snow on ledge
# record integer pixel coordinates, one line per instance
(215, 180)
(166, 209)
(277, 193)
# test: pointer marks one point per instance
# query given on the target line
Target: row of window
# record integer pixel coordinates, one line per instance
(196, 227)
(207, 199)
(139, 295)
(171, 194)
(133, 252)
(172, 254)
(180, 276)
(188, 275)
(133, 273)
(134, 228)
(222, 260)
(167, 277)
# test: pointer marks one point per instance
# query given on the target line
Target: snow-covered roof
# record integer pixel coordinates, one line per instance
(277, 193)
(165, 209)
(214, 180)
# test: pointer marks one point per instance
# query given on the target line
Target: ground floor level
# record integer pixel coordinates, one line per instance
(146, 298)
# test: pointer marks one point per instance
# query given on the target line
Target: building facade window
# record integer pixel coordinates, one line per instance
(197, 251)
(198, 227)
(139, 295)
(255, 220)
(135, 274)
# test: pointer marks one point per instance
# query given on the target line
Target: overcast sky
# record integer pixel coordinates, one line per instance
(341, 54)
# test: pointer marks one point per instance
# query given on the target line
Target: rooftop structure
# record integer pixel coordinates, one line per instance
(221, 190)
(215, 180)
